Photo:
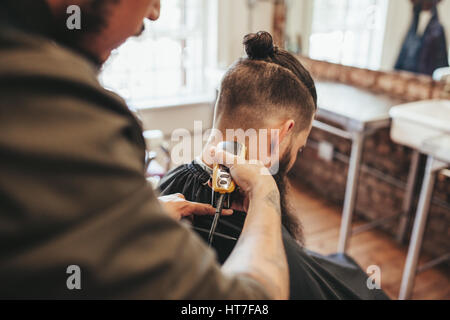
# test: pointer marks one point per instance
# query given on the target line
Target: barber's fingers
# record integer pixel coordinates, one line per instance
(178, 207)
(202, 209)
(248, 175)
(224, 158)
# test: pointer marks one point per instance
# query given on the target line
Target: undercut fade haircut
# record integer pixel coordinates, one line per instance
(270, 80)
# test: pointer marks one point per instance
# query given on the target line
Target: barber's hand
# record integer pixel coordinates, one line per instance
(252, 178)
(178, 207)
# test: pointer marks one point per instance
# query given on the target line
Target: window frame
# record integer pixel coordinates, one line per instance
(209, 32)
(377, 38)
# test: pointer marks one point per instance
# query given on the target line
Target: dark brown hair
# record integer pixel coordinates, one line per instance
(269, 80)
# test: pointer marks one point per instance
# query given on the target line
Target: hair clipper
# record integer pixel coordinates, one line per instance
(222, 183)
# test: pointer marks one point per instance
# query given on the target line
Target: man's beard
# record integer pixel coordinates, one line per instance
(288, 216)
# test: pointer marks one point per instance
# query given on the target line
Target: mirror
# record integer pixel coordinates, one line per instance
(371, 34)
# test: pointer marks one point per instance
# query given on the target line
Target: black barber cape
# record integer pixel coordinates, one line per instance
(312, 276)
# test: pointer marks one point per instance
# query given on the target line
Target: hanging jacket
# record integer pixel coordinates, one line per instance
(424, 53)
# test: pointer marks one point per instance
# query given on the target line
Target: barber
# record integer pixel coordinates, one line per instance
(72, 183)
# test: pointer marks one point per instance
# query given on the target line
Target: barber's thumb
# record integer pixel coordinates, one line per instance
(222, 157)
(206, 209)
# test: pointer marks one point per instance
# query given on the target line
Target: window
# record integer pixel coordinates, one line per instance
(349, 32)
(168, 61)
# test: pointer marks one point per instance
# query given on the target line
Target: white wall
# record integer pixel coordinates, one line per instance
(234, 25)
(299, 17)
(182, 116)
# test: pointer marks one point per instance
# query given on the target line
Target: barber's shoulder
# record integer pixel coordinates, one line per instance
(44, 69)
(33, 61)
(30, 56)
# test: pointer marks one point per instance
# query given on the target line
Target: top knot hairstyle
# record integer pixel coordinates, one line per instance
(269, 81)
(259, 46)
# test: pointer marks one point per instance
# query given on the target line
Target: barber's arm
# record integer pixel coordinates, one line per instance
(259, 252)
(85, 202)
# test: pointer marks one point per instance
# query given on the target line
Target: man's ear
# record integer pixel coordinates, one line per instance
(286, 129)
(284, 132)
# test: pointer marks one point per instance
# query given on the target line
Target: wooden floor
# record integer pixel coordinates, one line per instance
(321, 222)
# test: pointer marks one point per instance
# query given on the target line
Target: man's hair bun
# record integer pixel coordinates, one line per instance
(259, 46)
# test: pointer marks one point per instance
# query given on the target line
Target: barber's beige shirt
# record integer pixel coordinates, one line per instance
(73, 191)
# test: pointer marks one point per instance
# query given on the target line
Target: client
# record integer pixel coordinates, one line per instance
(270, 89)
